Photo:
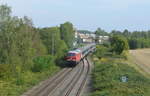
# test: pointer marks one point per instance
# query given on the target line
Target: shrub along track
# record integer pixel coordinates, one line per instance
(67, 82)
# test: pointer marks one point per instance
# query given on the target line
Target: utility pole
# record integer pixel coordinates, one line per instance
(53, 44)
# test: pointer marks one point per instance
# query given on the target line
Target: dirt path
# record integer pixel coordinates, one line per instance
(142, 58)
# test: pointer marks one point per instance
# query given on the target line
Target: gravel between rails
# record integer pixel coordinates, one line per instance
(67, 82)
(35, 91)
(78, 85)
(71, 88)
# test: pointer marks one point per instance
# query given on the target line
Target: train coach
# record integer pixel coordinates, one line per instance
(75, 56)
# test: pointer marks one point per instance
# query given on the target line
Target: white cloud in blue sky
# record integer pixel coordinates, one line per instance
(86, 14)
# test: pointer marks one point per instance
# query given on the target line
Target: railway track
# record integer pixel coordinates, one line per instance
(35, 91)
(68, 82)
(74, 81)
(80, 81)
(84, 80)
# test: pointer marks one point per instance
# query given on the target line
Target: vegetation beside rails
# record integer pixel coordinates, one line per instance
(16, 85)
(113, 76)
(29, 54)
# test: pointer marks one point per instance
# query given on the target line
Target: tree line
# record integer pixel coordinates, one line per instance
(135, 39)
(23, 46)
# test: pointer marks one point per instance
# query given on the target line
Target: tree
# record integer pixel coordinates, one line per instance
(5, 12)
(115, 32)
(100, 51)
(126, 33)
(84, 31)
(136, 39)
(18, 41)
(100, 32)
(67, 33)
(119, 44)
(51, 39)
(133, 43)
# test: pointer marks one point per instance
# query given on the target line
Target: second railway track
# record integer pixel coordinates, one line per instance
(68, 82)
(78, 85)
(38, 90)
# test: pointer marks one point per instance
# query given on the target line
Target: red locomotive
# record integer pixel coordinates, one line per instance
(75, 56)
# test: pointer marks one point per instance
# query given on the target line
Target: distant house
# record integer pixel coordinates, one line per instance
(89, 37)
(102, 39)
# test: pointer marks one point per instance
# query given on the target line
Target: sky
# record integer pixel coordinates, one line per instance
(85, 14)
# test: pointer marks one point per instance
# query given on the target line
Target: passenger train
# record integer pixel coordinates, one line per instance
(75, 56)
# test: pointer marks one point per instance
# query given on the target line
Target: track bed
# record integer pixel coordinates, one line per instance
(67, 82)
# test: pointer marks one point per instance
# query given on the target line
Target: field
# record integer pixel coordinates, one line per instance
(110, 70)
(107, 79)
(142, 58)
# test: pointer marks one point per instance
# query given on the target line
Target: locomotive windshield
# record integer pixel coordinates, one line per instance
(71, 54)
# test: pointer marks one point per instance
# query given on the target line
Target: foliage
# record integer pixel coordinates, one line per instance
(136, 39)
(18, 41)
(27, 54)
(84, 31)
(15, 87)
(107, 80)
(4, 70)
(139, 43)
(67, 33)
(119, 44)
(100, 51)
(42, 63)
(52, 40)
(100, 32)
(109, 70)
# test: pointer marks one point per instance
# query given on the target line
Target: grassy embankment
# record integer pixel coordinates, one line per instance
(108, 73)
(12, 86)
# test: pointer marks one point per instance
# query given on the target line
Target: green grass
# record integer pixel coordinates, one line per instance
(107, 79)
(15, 87)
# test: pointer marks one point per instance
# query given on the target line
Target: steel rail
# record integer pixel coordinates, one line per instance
(79, 90)
(39, 89)
(84, 81)
(75, 81)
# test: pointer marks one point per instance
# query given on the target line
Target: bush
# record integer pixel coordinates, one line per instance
(4, 70)
(119, 44)
(42, 63)
(107, 80)
(100, 51)
(125, 54)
